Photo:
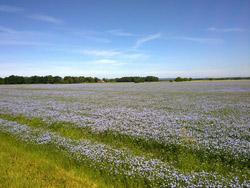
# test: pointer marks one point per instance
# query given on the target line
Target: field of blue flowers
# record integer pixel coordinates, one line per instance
(193, 134)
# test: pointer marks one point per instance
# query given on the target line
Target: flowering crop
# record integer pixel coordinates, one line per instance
(203, 121)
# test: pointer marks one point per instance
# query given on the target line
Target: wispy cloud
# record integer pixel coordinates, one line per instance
(202, 40)
(106, 53)
(12, 37)
(234, 29)
(134, 56)
(109, 62)
(7, 8)
(45, 18)
(21, 43)
(7, 30)
(119, 32)
(146, 39)
(112, 53)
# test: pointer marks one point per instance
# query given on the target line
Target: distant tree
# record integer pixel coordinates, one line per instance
(42, 79)
(14, 80)
(50, 79)
(105, 80)
(68, 80)
(113, 80)
(27, 80)
(1, 80)
(58, 79)
(151, 79)
(35, 79)
(81, 79)
(125, 79)
(90, 79)
(178, 79)
(96, 79)
(75, 79)
(138, 80)
(21, 80)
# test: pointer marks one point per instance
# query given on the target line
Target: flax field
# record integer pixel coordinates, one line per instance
(192, 134)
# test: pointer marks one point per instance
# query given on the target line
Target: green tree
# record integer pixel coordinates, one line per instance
(1, 80)
(151, 79)
(178, 79)
(35, 79)
(90, 79)
(96, 79)
(58, 80)
(68, 80)
(27, 80)
(138, 80)
(49, 79)
(14, 80)
(82, 79)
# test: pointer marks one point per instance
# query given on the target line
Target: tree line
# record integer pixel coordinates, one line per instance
(137, 79)
(49, 79)
(179, 79)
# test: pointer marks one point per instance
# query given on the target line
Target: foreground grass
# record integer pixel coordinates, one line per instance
(21, 166)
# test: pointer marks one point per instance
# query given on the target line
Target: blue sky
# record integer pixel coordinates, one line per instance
(115, 38)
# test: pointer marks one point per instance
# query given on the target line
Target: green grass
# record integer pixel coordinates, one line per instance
(23, 165)
(27, 165)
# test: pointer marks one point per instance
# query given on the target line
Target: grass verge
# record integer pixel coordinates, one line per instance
(23, 165)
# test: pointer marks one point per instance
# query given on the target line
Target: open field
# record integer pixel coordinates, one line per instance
(192, 134)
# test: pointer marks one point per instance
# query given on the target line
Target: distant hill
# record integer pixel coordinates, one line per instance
(166, 79)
